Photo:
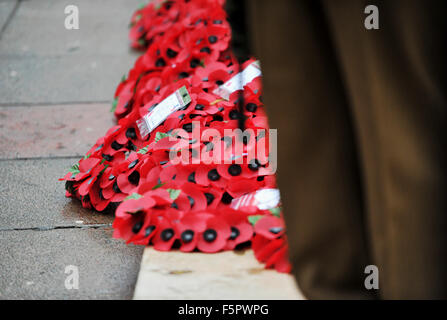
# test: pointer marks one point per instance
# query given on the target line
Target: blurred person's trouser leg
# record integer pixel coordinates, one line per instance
(361, 150)
(317, 170)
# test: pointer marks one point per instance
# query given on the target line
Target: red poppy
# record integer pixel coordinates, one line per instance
(97, 199)
(128, 214)
(270, 227)
(165, 235)
(215, 236)
(280, 259)
(189, 229)
(241, 230)
(208, 175)
(122, 101)
(274, 253)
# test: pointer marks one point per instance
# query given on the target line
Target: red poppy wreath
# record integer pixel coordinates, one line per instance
(176, 169)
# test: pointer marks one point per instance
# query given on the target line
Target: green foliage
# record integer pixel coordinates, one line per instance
(160, 135)
(254, 219)
(114, 104)
(276, 211)
(133, 196)
(173, 193)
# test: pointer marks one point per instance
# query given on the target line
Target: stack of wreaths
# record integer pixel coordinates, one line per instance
(176, 170)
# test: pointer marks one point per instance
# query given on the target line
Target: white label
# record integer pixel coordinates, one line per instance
(238, 82)
(264, 199)
(164, 109)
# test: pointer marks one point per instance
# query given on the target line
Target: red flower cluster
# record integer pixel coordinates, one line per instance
(187, 204)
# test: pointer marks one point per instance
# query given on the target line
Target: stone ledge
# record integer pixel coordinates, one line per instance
(226, 275)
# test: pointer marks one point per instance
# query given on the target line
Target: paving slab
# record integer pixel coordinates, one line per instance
(56, 130)
(33, 264)
(103, 28)
(43, 64)
(86, 78)
(41, 61)
(32, 197)
(226, 275)
(6, 8)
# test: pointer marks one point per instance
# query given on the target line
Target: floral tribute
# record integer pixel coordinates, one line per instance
(192, 204)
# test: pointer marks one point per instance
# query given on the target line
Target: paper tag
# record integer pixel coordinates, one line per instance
(172, 103)
(264, 199)
(238, 82)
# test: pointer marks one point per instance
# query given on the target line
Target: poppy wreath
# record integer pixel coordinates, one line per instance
(192, 204)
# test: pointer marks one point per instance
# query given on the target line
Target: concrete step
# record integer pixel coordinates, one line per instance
(225, 275)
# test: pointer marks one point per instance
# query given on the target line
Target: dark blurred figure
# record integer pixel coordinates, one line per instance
(362, 151)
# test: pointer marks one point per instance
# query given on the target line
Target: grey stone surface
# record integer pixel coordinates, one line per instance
(41, 231)
(32, 264)
(41, 61)
(86, 78)
(38, 28)
(56, 130)
(6, 8)
(31, 196)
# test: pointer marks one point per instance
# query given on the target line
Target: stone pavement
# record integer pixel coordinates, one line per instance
(55, 90)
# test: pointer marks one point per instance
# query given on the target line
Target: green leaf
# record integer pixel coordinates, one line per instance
(160, 135)
(133, 196)
(186, 98)
(142, 42)
(202, 63)
(159, 5)
(114, 103)
(105, 167)
(87, 156)
(216, 101)
(74, 169)
(276, 211)
(143, 150)
(173, 193)
(254, 219)
(158, 185)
